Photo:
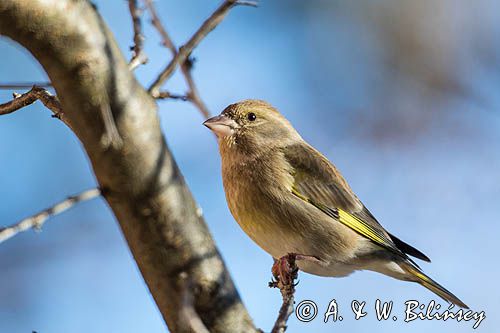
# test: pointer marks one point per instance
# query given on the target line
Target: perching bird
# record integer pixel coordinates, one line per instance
(289, 198)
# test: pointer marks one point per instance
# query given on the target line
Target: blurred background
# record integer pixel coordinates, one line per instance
(402, 96)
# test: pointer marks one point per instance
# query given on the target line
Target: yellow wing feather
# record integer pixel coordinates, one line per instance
(354, 223)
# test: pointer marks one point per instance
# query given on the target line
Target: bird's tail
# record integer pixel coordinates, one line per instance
(418, 276)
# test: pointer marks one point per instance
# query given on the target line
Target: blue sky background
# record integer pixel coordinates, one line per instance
(403, 97)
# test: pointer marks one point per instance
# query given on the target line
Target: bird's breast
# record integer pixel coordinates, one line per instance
(260, 199)
(255, 191)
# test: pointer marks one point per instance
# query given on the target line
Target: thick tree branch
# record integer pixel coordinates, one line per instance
(36, 221)
(140, 179)
(185, 51)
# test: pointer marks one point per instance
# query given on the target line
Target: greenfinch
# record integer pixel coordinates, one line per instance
(289, 198)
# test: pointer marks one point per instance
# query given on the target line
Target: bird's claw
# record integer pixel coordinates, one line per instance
(284, 271)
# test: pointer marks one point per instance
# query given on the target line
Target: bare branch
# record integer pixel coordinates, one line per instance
(24, 85)
(285, 271)
(36, 221)
(185, 51)
(248, 3)
(168, 95)
(285, 311)
(186, 66)
(193, 94)
(139, 57)
(36, 93)
(156, 22)
(18, 102)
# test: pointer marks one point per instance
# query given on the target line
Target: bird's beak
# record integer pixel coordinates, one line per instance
(221, 125)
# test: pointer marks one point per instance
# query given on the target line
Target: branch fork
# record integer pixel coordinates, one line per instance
(182, 57)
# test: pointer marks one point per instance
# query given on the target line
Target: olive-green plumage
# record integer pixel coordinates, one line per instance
(289, 198)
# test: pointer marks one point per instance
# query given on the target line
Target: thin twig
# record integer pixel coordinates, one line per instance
(110, 137)
(156, 22)
(185, 51)
(24, 85)
(36, 93)
(285, 311)
(36, 221)
(248, 3)
(138, 57)
(169, 95)
(193, 94)
(287, 289)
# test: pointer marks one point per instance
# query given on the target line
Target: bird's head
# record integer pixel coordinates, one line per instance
(251, 126)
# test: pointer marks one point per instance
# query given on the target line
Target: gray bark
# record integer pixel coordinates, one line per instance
(139, 177)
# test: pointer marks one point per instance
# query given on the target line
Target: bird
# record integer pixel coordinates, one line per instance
(290, 199)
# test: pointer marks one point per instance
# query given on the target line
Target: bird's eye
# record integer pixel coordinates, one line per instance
(251, 116)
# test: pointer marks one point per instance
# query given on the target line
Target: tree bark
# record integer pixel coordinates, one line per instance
(138, 175)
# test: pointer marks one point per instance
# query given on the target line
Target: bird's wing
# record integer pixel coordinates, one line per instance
(318, 182)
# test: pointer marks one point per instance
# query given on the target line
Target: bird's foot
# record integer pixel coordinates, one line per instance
(284, 272)
(285, 269)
